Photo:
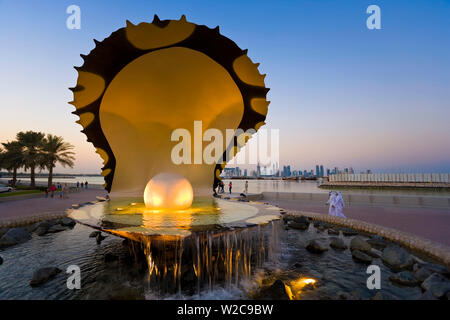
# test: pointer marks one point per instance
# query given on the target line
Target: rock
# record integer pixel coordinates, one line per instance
(3, 230)
(41, 231)
(315, 246)
(19, 235)
(296, 265)
(427, 295)
(297, 225)
(42, 227)
(301, 219)
(99, 238)
(94, 234)
(378, 242)
(397, 258)
(349, 232)
(68, 222)
(358, 243)
(321, 224)
(1, 260)
(374, 253)
(5, 243)
(437, 284)
(360, 256)
(333, 231)
(422, 273)
(404, 278)
(43, 275)
(56, 228)
(110, 257)
(437, 268)
(276, 291)
(337, 243)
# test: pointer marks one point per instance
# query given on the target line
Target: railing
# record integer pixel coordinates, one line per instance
(391, 177)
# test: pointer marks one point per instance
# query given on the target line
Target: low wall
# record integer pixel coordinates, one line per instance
(392, 200)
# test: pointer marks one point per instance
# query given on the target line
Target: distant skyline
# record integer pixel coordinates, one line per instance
(341, 95)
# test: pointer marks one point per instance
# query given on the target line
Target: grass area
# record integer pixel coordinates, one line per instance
(18, 193)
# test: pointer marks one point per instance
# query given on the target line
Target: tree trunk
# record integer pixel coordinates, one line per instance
(14, 179)
(33, 183)
(50, 176)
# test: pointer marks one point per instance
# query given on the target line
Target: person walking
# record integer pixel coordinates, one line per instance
(246, 187)
(230, 186)
(78, 185)
(86, 184)
(332, 204)
(339, 203)
(52, 190)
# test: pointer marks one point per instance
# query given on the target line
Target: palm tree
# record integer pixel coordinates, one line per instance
(12, 158)
(32, 145)
(55, 150)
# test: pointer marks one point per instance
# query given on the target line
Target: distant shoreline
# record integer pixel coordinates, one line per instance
(387, 185)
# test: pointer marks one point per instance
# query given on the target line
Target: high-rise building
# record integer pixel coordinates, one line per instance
(328, 172)
(317, 171)
(351, 171)
(321, 172)
(245, 172)
(258, 170)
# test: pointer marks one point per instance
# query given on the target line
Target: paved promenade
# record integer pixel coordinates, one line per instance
(430, 223)
(42, 205)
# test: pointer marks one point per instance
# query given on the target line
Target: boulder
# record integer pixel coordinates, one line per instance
(5, 243)
(360, 256)
(18, 235)
(333, 231)
(358, 243)
(276, 291)
(41, 231)
(349, 232)
(321, 224)
(100, 238)
(94, 234)
(374, 253)
(337, 243)
(56, 228)
(68, 222)
(297, 225)
(301, 219)
(437, 284)
(43, 275)
(422, 273)
(397, 258)
(314, 246)
(3, 230)
(378, 242)
(404, 278)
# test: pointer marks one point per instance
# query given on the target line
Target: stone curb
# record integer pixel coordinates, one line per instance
(435, 250)
(20, 221)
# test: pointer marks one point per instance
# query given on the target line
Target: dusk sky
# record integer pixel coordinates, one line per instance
(341, 94)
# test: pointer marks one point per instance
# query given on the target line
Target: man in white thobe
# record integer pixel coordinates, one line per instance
(331, 204)
(339, 204)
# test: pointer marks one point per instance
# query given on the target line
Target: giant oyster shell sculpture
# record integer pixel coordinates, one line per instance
(143, 81)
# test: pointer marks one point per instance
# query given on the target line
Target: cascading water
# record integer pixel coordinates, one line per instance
(207, 260)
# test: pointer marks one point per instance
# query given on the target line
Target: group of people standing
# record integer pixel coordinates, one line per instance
(63, 190)
(221, 187)
(336, 204)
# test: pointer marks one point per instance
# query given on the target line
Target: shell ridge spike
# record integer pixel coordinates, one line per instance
(156, 19)
(129, 23)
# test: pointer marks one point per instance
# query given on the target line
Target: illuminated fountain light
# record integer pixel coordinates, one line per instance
(168, 191)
